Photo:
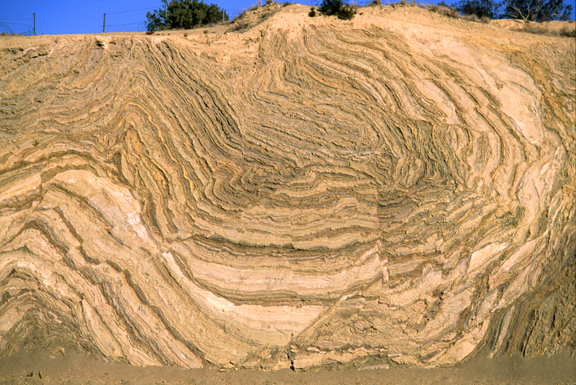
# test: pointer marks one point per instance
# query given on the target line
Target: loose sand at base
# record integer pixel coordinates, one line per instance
(74, 368)
(290, 192)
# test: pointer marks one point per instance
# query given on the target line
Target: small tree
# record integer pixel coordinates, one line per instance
(537, 10)
(184, 14)
(330, 7)
(480, 8)
(529, 10)
(338, 8)
(443, 4)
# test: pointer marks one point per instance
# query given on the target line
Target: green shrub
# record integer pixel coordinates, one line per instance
(346, 13)
(478, 8)
(330, 7)
(338, 8)
(184, 14)
(527, 10)
(536, 10)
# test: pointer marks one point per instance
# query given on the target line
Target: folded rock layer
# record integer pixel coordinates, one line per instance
(289, 192)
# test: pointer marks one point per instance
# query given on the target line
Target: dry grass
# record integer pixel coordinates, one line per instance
(257, 5)
(543, 29)
(476, 19)
(450, 12)
(257, 14)
(535, 29)
(444, 11)
(568, 31)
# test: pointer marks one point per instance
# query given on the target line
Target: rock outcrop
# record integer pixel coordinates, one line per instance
(299, 192)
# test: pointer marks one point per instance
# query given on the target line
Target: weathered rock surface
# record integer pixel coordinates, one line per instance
(306, 192)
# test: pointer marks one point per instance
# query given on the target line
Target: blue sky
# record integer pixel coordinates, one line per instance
(87, 16)
(54, 17)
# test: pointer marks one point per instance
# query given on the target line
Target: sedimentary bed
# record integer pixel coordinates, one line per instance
(289, 191)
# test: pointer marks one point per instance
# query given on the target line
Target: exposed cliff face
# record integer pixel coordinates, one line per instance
(399, 189)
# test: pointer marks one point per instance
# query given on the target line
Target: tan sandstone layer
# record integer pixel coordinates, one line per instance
(288, 191)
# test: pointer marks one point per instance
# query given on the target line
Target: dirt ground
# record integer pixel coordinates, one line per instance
(60, 367)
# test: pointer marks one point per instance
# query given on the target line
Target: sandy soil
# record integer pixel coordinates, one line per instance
(42, 367)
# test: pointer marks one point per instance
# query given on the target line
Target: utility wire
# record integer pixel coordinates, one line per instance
(122, 25)
(15, 17)
(133, 10)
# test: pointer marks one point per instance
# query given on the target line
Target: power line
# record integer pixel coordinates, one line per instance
(15, 18)
(128, 27)
(125, 25)
(121, 25)
(27, 16)
(133, 10)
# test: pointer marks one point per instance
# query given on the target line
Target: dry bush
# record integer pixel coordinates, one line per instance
(540, 29)
(241, 26)
(536, 29)
(450, 12)
(241, 22)
(475, 19)
(375, 2)
(257, 5)
(567, 31)
(453, 13)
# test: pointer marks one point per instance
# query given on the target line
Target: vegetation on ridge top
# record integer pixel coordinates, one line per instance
(184, 14)
(528, 10)
(337, 8)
